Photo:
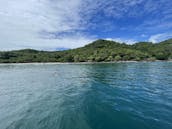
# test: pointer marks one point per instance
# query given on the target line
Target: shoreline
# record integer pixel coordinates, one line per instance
(42, 63)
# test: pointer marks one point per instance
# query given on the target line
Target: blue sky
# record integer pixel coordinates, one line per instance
(53, 24)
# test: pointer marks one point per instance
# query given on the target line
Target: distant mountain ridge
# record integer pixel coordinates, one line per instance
(97, 51)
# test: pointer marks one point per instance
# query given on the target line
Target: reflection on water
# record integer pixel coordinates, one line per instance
(86, 96)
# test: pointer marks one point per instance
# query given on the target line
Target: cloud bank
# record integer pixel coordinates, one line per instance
(160, 37)
(35, 23)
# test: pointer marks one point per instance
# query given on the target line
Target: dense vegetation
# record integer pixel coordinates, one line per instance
(98, 51)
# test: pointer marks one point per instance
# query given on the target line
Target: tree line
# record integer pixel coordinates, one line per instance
(98, 51)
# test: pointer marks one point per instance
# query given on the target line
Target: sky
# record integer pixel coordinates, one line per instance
(63, 24)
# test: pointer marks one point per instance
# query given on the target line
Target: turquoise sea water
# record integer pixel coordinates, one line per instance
(86, 96)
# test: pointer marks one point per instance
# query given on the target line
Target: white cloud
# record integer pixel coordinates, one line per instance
(22, 22)
(122, 40)
(41, 14)
(159, 37)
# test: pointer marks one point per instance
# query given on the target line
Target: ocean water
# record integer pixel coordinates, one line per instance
(134, 95)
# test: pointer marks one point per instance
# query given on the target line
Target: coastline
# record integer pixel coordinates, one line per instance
(44, 63)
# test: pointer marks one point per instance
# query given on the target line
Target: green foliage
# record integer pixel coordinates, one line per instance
(118, 58)
(98, 51)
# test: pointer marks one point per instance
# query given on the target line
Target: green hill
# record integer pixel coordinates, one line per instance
(98, 51)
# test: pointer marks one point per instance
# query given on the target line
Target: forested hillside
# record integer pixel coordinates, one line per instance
(98, 51)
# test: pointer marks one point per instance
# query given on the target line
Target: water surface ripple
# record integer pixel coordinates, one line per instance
(86, 96)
